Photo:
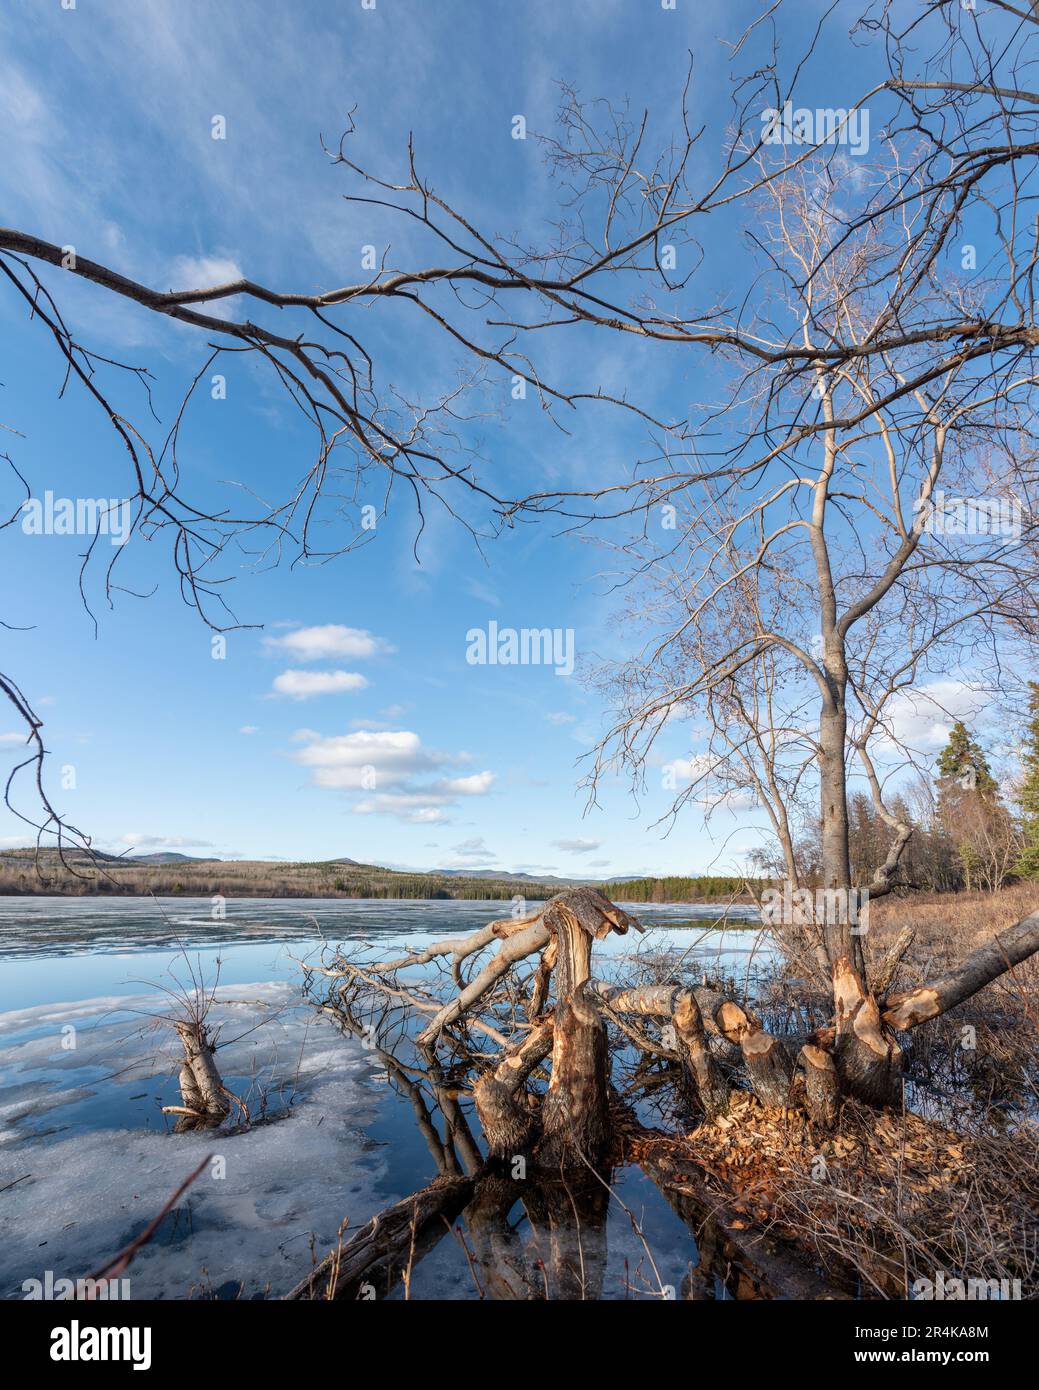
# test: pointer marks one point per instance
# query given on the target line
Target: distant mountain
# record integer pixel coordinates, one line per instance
(168, 856)
(501, 876)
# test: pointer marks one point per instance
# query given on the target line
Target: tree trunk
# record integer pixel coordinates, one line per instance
(575, 1111)
(201, 1088)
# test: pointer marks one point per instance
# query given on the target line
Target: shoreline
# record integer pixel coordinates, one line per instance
(51, 891)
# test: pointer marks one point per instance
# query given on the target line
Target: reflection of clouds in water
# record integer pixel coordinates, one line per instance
(92, 1186)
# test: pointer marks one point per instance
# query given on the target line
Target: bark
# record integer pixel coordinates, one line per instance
(575, 1121)
(509, 1124)
(575, 1112)
(768, 1066)
(711, 1087)
(822, 1086)
(880, 979)
(201, 1088)
(1005, 950)
(542, 980)
(692, 1027)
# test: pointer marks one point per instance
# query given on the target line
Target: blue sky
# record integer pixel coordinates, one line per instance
(108, 112)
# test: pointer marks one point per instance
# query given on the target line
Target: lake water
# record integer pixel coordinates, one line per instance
(88, 1057)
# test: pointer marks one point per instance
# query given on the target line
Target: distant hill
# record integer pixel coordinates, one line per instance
(168, 856)
(168, 874)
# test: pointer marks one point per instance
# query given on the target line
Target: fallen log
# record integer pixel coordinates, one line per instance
(374, 1260)
(1005, 950)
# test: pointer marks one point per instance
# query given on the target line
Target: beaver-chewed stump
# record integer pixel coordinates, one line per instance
(204, 1099)
(716, 1043)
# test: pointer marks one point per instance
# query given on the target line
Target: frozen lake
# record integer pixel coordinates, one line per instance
(88, 1057)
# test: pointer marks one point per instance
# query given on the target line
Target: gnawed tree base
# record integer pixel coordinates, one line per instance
(205, 1102)
(535, 1045)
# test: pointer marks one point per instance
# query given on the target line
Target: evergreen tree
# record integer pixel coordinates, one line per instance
(1028, 863)
(963, 761)
(966, 791)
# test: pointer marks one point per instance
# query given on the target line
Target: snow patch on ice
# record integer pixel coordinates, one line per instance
(92, 1187)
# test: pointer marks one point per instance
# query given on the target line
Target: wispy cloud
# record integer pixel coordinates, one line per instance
(136, 839)
(304, 685)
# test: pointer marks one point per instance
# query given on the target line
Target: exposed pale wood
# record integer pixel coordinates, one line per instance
(542, 980)
(712, 1089)
(575, 1111)
(201, 1086)
(867, 1056)
(1006, 949)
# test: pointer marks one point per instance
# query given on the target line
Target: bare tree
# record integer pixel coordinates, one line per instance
(865, 372)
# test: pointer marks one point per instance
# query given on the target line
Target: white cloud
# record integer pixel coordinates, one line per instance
(389, 764)
(342, 760)
(923, 718)
(304, 685)
(689, 769)
(477, 785)
(578, 846)
(328, 640)
(249, 729)
(558, 717)
(207, 272)
(407, 806)
(14, 738)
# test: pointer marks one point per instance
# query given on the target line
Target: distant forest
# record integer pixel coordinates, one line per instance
(79, 877)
